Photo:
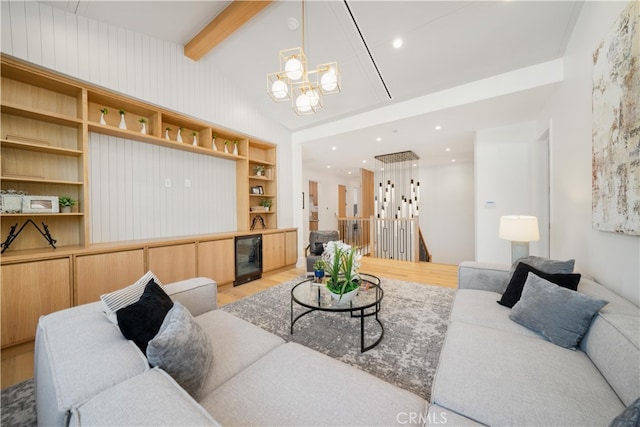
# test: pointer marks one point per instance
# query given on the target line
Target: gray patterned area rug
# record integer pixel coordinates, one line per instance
(415, 319)
(19, 405)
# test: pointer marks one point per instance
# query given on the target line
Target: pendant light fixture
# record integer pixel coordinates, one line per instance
(296, 83)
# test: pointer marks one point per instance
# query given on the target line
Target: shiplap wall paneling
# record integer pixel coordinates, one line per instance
(132, 63)
(130, 199)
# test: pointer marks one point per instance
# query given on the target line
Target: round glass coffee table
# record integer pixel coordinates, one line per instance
(366, 304)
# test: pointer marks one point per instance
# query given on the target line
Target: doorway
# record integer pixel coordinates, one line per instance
(313, 206)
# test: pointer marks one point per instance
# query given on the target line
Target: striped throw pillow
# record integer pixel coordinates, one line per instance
(124, 297)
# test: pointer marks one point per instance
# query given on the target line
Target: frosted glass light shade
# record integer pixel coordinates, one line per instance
(519, 228)
(293, 68)
(303, 104)
(329, 81)
(279, 89)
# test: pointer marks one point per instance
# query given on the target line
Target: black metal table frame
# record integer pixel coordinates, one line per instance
(358, 312)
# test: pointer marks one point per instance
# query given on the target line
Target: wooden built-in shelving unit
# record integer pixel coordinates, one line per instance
(46, 119)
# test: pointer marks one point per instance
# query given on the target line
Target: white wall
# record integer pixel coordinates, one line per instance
(446, 212)
(129, 198)
(503, 176)
(612, 259)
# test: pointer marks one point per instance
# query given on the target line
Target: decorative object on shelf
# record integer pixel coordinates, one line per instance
(12, 234)
(266, 203)
(226, 150)
(235, 148)
(179, 135)
(195, 139)
(343, 263)
(103, 112)
(11, 201)
(296, 83)
(259, 170)
(123, 123)
(318, 269)
(40, 204)
(166, 133)
(257, 189)
(66, 203)
(257, 220)
(213, 143)
(143, 122)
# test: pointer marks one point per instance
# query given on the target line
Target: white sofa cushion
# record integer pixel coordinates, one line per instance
(480, 308)
(79, 353)
(150, 399)
(500, 378)
(235, 344)
(296, 386)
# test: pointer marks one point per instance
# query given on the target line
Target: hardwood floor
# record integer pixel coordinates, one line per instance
(17, 361)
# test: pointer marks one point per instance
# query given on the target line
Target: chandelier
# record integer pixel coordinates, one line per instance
(296, 83)
(398, 192)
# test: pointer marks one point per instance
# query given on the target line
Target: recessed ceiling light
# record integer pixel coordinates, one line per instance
(378, 139)
(349, 172)
(447, 149)
(414, 165)
(328, 166)
(364, 161)
(453, 160)
(381, 169)
(438, 127)
(397, 43)
(334, 148)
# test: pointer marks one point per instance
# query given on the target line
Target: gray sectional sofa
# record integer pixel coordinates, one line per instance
(493, 371)
(87, 373)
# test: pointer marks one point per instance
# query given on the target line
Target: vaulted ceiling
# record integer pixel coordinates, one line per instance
(446, 45)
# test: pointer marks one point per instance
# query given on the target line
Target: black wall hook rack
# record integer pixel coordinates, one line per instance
(12, 235)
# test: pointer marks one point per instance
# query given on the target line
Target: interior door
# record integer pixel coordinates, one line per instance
(342, 201)
(313, 205)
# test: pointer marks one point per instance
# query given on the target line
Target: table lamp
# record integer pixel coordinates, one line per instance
(520, 229)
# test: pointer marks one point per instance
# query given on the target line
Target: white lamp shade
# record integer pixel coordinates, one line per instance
(303, 103)
(519, 228)
(329, 81)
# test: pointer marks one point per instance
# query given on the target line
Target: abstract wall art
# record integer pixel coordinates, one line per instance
(616, 126)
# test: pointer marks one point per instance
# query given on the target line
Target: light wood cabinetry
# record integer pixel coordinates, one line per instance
(290, 247)
(99, 274)
(216, 260)
(272, 251)
(262, 185)
(30, 290)
(43, 152)
(173, 263)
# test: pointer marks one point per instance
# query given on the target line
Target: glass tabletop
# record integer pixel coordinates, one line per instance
(317, 296)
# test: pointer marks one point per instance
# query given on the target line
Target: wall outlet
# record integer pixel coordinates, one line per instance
(187, 183)
(167, 183)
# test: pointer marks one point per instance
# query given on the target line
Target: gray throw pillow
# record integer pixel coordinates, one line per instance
(182, 349)
(546, 265)
(630, 417)
(561, 315)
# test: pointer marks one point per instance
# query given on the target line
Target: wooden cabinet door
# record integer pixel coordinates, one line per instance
(216, 260)
(31, 290)
(272, 251)
(102, 273)
(291, 247)
(173, 263)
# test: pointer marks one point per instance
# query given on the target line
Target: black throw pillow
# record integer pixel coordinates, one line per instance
(141, 321)
(514, 289)
(318, 248)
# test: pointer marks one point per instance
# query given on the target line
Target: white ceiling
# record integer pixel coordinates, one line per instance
(446, 44)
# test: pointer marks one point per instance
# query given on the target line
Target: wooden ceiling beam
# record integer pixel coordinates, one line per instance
(222, 26)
